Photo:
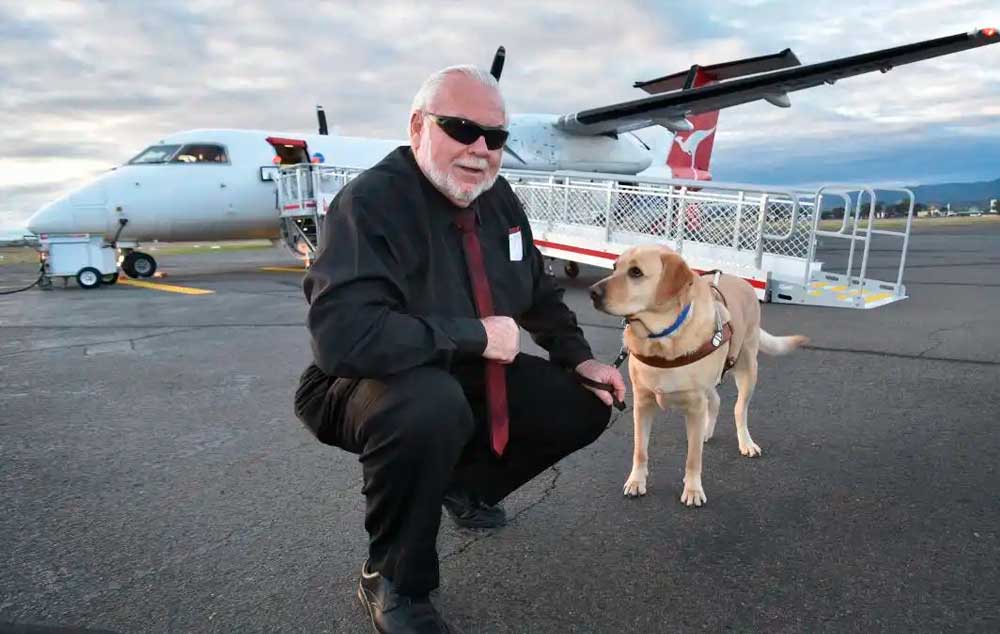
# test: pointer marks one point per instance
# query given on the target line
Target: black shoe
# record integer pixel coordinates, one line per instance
(393, 613)
(468, 511)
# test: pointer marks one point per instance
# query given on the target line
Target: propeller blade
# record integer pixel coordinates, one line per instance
(498, 60)
(322, 119)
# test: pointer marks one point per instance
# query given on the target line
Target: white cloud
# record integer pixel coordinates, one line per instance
(86, 85)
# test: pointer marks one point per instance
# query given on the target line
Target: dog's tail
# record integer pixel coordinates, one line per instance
(769, 344)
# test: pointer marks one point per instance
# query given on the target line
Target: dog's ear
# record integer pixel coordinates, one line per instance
(676, 278)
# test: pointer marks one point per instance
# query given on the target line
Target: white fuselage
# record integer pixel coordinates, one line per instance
(176, 201)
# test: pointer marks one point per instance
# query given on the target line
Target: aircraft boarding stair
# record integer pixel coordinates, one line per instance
(767, 235)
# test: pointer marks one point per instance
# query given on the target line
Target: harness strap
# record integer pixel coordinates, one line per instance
(723, 334)
(706, 349)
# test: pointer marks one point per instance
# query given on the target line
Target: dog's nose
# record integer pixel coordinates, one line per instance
(597, 294)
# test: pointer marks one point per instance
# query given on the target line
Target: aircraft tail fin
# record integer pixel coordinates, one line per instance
(691, 151)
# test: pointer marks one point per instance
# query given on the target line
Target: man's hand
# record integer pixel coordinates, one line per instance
(597, 371)
(503, 338)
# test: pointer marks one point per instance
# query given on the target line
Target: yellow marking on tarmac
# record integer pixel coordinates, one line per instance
(819, 284)
(170, 288)
(283, 269)
(837, 288)
(816, 293)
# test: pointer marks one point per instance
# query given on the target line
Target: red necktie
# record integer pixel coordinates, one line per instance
(496, 377)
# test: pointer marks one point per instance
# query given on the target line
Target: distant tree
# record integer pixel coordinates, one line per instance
(900, 209)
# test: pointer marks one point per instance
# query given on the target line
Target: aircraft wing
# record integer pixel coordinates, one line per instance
(670, 109)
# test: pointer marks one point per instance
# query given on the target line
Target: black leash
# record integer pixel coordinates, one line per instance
(607, 387)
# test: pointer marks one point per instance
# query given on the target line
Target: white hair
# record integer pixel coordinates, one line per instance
(429, 89)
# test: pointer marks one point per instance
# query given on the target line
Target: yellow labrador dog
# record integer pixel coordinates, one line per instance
(683, 332)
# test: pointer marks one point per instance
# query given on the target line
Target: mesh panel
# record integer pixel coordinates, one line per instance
(780, 222)
(706, 214)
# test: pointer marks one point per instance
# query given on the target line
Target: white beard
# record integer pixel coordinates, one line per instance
(447, 183)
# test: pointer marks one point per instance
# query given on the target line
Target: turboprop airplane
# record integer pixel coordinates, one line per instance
(217, 184)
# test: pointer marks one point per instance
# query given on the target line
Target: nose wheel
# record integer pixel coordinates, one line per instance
(139, 264)
(572, 269)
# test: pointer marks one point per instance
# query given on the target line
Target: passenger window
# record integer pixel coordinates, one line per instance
(154, 154)
(201, 153)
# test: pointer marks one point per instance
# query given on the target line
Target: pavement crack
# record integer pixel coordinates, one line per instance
(545, 494)
(71, 346)
(940, 331)
(899, 355)
(486, 534)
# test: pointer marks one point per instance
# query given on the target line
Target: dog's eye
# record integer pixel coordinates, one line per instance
(634, 272)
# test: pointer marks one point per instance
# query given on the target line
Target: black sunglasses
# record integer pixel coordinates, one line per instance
(467, 132)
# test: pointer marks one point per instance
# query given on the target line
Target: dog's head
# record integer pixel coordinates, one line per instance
(645, 279)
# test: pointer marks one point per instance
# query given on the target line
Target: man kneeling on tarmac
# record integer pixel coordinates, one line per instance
(416, 301)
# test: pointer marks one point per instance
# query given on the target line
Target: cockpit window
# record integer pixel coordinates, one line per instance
(154, 154)
(201, 153)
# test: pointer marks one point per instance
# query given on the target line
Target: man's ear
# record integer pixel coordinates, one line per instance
(416, 127)
(675, 278)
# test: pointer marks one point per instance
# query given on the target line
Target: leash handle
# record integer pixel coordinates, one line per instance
(607, 387)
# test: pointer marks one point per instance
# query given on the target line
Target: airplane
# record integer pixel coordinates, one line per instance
(218, 184)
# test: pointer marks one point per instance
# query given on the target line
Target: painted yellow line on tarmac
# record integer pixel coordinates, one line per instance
(170, 288)
(283, 269)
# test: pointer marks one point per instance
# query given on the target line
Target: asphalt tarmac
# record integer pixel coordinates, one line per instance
(153, 477)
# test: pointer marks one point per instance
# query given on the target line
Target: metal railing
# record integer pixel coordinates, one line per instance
(850, 224)
(675, 210)
(750, 221)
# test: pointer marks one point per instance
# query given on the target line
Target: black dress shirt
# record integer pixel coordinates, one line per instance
(390, 291)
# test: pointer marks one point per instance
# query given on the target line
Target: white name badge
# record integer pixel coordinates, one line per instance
(516, 245)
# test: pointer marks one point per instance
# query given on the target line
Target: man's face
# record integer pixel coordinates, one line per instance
(462, 172)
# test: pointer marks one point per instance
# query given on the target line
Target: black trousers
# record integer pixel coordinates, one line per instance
(420, 431)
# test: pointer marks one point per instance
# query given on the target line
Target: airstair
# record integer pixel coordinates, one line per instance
(770, 236)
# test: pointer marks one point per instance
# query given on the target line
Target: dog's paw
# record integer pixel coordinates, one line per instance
(693, 496)
(634, 487)
(750, 449)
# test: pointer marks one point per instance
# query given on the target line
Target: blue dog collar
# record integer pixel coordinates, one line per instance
(674, 326)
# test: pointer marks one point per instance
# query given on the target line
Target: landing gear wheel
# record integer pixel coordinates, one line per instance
(572, 269)
(88, 278)
(127, 263)
(144, 265)
(110, 279)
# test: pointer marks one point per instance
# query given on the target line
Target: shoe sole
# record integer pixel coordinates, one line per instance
(363, 597)
(478, 525)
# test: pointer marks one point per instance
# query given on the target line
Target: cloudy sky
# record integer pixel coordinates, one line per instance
(84, 85)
